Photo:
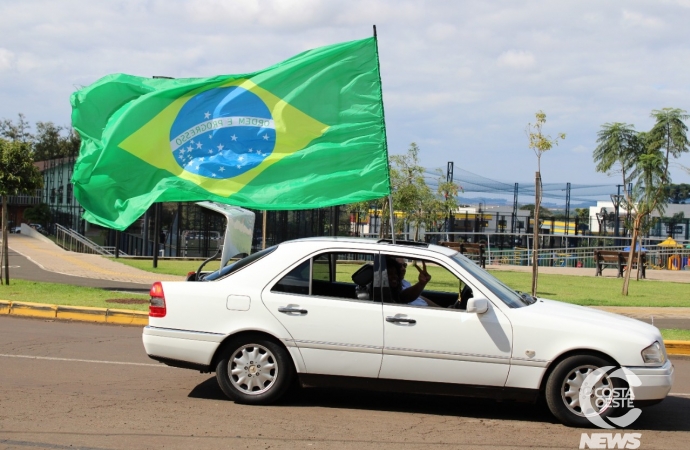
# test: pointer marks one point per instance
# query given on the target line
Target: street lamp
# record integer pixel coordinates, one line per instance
(616, 199)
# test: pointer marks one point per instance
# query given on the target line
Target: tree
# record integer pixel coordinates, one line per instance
(18, 175)
(643, 160)
(50, 142)
(39, 214)
(582, 215)
(16, 131)
(539, 143)
(421, 205)
(678, 193)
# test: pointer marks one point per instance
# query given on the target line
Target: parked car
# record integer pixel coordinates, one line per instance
(327, 311)
(16, 230)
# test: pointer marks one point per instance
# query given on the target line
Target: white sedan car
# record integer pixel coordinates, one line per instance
(336, 312)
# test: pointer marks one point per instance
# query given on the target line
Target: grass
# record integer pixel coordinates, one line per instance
(586, 291)
(167, 267)
(600, 291)
(68, 295)
(674, 334)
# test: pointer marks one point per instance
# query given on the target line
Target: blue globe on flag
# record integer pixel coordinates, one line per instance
(222, 133)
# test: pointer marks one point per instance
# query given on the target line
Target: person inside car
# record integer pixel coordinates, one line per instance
(402, 290)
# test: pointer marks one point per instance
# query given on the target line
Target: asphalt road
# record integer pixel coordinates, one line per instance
(75, 385)
(24, 269)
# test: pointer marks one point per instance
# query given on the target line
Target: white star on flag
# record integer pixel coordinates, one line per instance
(241, 158)
(210, 136)
(251, 150)
(198, 145)
(210, 151)
(220, 147)
(190, 148)
(265, 137)
(207, 115)
(213, 175)
(234, 138)
(201, 159)
(222, 169)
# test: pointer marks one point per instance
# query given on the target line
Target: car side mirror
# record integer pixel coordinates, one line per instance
(477, 305)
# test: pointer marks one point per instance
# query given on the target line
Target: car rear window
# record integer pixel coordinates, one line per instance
(237, 265)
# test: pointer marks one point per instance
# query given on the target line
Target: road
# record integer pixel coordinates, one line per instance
(24, 269)
(90, 386)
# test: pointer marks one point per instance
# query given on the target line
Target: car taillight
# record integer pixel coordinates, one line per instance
(157, 301)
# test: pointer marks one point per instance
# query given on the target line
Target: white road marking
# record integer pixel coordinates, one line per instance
(679, 394)
(48, 358)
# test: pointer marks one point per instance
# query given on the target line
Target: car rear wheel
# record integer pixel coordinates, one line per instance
(569, 380)
(254, 370)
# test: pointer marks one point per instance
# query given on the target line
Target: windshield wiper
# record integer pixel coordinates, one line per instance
(527, 297)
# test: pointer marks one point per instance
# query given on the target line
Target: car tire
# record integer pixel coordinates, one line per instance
(254, 370)
(563, 389)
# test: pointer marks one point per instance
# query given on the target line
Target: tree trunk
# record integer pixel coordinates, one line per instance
(631, 254)
(535, 242)
(5, 246)
(384, 219)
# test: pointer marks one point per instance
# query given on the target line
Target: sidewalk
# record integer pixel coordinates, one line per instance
(52, 258)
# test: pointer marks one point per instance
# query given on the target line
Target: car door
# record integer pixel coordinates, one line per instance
(445, 345)
(335, 323)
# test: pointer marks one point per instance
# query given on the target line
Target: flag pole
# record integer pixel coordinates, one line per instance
(385, 138)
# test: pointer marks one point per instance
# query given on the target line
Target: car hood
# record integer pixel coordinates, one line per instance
(552, 328)
(590, 317)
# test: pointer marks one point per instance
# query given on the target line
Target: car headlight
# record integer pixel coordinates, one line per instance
(654, 354)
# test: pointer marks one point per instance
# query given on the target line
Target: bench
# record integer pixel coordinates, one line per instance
(468, 249)
(618, 259)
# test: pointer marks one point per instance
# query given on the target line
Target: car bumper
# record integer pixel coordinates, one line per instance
(179, 345)
(656, 382)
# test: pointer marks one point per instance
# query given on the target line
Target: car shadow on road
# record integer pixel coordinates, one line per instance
(669, 415)
(394, 402)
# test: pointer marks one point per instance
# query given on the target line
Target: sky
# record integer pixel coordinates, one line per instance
(462, 79)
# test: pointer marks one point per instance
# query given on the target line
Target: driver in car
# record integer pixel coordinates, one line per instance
(405, 291)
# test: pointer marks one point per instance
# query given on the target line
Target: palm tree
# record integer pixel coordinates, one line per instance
(643, 159)
(617, 144)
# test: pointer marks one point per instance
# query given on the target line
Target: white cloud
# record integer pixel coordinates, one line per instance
(6, 59)
(517, 59)
(635, 19)
(460, 77)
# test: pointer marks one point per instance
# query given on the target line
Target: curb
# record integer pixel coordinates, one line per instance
(141, 318)
(79, 313)
(677, 347)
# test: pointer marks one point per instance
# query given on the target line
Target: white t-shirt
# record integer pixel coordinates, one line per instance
(419, 301)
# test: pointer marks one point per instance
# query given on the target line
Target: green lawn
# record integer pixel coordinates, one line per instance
(588, 291)
(65, 294)
(674, 334)
(600, 291)
(167, 267)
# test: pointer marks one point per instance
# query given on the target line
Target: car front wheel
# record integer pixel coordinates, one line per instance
(570, 379)
(254, 370)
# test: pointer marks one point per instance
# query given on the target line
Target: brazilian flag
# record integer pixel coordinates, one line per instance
(308, 132)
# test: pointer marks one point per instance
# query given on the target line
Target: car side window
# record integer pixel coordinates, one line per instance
(343, 275)
(333, 274)
(424, 283)
(296, 281)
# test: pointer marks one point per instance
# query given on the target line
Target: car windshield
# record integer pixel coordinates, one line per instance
(234, 267)
(507, 295)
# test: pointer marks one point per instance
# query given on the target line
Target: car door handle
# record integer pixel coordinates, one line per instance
(292, 310)
(393, 319)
